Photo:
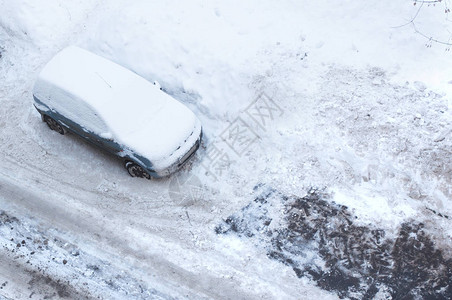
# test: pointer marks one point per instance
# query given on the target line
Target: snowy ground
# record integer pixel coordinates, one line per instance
(350, 103)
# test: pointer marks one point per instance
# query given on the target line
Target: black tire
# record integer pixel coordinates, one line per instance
(135, 170)
(54, 125)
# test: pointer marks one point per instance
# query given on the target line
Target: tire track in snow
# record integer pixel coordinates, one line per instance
(142, 250)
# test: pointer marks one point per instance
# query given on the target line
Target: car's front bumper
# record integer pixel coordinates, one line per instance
(195, 143)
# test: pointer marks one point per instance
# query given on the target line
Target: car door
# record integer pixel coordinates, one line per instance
(108, 144)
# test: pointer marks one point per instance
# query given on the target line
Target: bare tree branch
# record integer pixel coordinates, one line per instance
(447, 43)
(415, 16)
(427, 1)
(431, 39)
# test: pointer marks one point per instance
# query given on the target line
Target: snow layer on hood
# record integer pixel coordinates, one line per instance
(138, 113)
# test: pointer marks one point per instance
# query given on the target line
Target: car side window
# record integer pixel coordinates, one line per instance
(91, 120)
(94, 121)
(78, 111)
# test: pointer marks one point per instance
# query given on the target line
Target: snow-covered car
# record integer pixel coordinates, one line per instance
(117, 110)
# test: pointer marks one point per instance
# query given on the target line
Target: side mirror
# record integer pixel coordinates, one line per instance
(157, 84)
(107, 136)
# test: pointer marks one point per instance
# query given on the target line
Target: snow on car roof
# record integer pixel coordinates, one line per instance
(132, 107)
(101, 83)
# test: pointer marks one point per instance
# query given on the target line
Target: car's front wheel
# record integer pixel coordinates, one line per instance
(54, 125)
(136, 170)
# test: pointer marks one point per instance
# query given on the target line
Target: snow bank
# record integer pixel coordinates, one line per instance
(205, 54)
(210, 53)
(47, 24)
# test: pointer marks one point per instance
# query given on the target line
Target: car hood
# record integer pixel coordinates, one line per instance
(159, 134)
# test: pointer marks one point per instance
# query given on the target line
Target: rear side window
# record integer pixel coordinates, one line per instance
(71, 107)
(89, 118)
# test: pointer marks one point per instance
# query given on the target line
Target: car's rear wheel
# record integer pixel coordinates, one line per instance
(54, 125)
(136, 170)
